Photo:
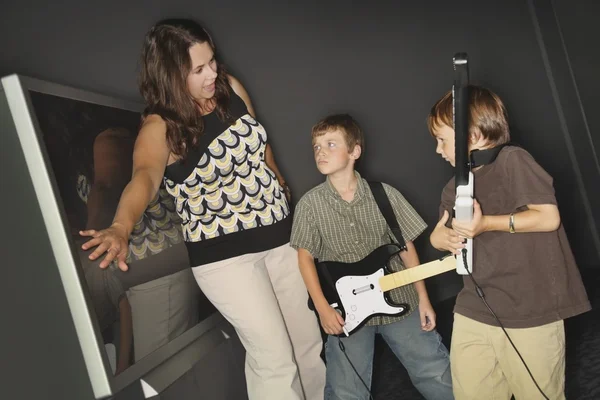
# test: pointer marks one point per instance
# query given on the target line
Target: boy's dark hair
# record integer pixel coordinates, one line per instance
(487, 114)
(353, 134)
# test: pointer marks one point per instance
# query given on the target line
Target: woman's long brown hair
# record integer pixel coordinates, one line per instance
(165, 66)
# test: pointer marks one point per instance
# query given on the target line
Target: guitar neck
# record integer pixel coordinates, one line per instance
(420, 272)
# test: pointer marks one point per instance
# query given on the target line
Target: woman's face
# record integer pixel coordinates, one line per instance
(202, 77)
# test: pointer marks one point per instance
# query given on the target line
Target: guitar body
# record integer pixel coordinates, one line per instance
(354, 289)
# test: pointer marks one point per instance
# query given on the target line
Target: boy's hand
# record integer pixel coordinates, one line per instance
(331, 321)
(443, 238)
(471, 229)
(427, 316)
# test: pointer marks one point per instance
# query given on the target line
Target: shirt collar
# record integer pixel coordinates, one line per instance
(360, 189)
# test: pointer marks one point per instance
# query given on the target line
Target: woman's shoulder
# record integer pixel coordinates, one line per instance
(153, 123)
(234, 83)
(153, 130)
(240, 93)
(153, 119)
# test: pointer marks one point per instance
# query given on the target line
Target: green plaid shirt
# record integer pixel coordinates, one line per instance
(332, 229)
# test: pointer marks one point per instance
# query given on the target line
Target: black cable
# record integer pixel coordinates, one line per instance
(352, 365)
(482, 297)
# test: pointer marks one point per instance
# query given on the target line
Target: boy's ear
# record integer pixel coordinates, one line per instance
(356, 152)
(474, 136)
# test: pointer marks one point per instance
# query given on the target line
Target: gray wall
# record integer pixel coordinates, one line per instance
(567, 63)
(578, 33)
(578, 23)
(385, 62)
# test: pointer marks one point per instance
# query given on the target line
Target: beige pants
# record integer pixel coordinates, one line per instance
(263, 296)
(485, 366)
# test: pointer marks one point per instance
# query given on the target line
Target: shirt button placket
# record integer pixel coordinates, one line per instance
(353, 231)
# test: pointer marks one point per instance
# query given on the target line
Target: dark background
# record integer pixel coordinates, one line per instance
(384, 62)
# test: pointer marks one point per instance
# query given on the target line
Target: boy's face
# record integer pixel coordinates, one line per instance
(332, 154)
(444, 135)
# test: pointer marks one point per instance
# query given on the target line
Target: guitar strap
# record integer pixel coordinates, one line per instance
(327, 276)
(477, 158)
(385, 207)
(323, 272)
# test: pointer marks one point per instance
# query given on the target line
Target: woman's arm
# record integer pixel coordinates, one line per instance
(270, 160)
(239, 89)
(150, 157)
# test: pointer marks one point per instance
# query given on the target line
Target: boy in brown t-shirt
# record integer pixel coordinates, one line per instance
(521, 260)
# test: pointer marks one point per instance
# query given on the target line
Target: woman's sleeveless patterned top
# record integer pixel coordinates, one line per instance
(228, 199)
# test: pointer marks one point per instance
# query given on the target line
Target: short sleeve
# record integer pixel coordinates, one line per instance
(528, 182)
(447, 202)
(411, 223)
(305, 234)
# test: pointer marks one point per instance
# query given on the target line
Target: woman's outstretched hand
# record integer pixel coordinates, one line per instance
(112, 240)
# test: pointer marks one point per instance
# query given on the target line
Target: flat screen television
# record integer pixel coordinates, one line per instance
(78, 148)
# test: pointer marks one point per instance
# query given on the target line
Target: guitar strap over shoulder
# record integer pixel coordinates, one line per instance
(385, 207)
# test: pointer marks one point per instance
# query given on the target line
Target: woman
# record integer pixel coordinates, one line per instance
(199, 135)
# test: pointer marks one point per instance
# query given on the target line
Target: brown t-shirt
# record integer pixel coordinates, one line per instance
(529, 279)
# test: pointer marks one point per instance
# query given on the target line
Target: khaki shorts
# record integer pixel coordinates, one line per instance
(485, 366)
